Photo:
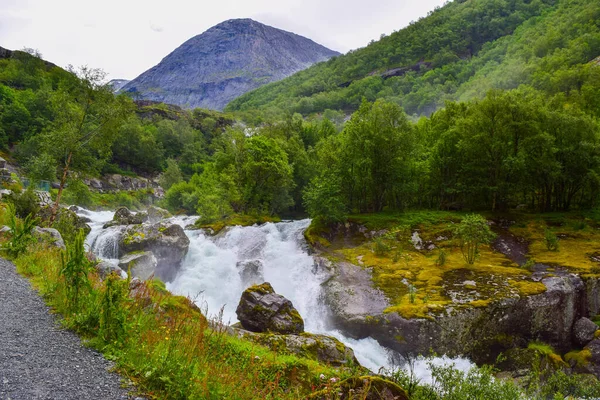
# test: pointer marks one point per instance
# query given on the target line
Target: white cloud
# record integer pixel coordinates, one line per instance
(119, 35)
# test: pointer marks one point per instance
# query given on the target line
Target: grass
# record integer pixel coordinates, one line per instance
(164, 343)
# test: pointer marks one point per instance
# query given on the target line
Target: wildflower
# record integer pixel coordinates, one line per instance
(323, 377)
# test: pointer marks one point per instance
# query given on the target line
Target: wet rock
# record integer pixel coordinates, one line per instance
(365, 388)
(165, 240)
(322, 348)
(142, 264)
(251, 272)
(125, 217)
(262, 310)
(157, 214)
(105, 268)
(65, 216)
(417, 241)
(52, 235)
(591, 357)
(583, 331)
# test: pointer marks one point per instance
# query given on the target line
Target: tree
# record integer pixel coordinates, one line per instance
(472, 232)
(87, 118)
(171, 176)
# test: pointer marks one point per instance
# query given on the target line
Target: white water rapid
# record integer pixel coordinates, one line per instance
(210, 275)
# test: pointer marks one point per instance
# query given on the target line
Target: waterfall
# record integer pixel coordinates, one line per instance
(217, 269)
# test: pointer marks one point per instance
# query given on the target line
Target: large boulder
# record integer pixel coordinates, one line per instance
(583, 331)
(105, 268)
(141, 264)
(165, 240)
(251, 272)
(125, 217)
(322, 348)
(65, 217)
(49, 234)
(157, 214)
(262, 310)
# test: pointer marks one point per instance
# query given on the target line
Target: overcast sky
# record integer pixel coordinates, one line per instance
(126, 37)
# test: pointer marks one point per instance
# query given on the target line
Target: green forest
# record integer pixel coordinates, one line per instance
(457, 53)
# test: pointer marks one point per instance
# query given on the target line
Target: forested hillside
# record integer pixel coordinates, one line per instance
(458, 52)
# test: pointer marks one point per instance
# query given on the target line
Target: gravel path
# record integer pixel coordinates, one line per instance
(38, 360)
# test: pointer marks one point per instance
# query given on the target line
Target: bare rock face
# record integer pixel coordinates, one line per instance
(583, 331)
(166, 241)
(262, 310)
(226, 61)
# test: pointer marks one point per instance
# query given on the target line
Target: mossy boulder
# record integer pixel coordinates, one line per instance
(165, 240)
(322, 348)
(49, 235)
(363, 387)
(157, 214)
(123, 216)
(583, 331)
(141, 264)
(262, 310)
(65, 217)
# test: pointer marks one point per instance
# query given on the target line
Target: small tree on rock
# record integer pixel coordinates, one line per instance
(472, 232)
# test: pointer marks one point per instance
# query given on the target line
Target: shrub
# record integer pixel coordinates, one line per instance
(441, 260)
(472, 232)
(380, 247)
(112, 314)
(77, 193)
(25, 203)
(552, 241)
(75, 269)
(21, 235)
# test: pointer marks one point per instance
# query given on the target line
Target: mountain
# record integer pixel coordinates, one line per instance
(229, 59)
(117, 84)
(457, 52)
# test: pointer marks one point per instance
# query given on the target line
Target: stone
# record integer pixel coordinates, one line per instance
(44, 198)
(105, 268)
(592, 357)
(141, 264)
(583, 331)
(322, 348)
(251, 272)
(52, 234)
(65, 216)
(125, 217)
(262, 310)
(157, 214)
(5, 229)
(165, 240)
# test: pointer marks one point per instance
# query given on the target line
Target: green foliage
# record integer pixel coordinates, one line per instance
(78, 193)
(552, 241)
(25, 202)
(75, 269)
(112, 314)
(412, 294)
(472, 232)
(441, 260)
(380, 247)
(529, 264)
(171, 176)
(20, 231)
(42, 167)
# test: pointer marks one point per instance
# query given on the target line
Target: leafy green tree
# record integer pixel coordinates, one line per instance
(472, 232)
(171, 176)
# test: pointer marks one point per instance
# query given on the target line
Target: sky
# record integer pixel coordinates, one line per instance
(127, 37)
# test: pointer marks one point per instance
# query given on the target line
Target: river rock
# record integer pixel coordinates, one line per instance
(322, 348)
(165, 240)
(141, 264)
(125, 217)
(156, 214)
(51, 233)
(583, 331)
(66, 217)
(105, 268)
(262, 310)
(251, 272)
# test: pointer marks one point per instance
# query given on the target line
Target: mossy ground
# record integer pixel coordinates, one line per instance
(397, 266)
(237, 220)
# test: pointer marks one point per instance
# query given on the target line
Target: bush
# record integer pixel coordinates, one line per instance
(112, 313)
(380, 247)
(77, 193)
(441, 260)
(25, 203)
(552, 241)
(472, 232)
(21, 236)
(75, 269)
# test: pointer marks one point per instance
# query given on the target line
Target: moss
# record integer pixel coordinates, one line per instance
(236, 220)
(480, 303)
(528, 288)
(263, 288)
(362, 387)
(578, 358)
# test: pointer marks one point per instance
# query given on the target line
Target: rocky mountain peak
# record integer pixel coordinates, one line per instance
(229, 59)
